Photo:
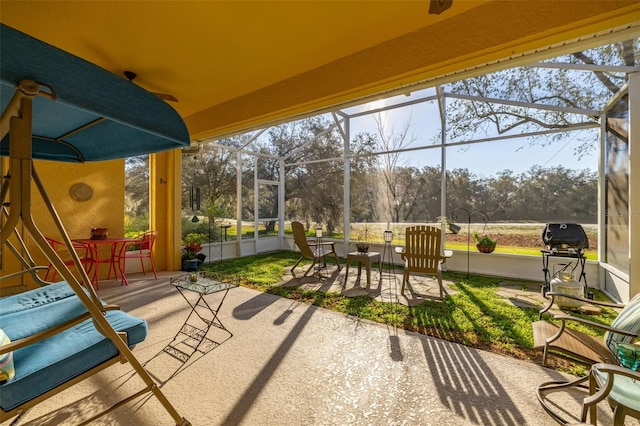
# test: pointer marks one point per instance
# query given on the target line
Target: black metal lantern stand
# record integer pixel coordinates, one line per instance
(387, 253)
(387, 257)
(319, 246)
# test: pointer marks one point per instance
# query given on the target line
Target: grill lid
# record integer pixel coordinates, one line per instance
(564, 236)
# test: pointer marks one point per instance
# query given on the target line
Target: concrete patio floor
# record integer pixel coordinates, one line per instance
(292, 364)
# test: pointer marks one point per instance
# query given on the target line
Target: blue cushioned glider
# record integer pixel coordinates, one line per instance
(57, 106)
(53, 361)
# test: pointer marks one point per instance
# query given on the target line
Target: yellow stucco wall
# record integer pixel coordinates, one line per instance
(104, 209)
(166, 209)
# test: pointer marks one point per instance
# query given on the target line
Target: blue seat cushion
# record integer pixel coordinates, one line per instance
(625, 389)
(42, 366)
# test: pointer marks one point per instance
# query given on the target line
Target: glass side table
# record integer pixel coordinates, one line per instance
(192, 336)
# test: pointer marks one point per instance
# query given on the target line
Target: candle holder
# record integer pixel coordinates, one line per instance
(319, 250)
(319, 238)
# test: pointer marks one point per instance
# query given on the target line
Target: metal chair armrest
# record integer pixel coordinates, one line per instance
(564, 318)
(616, 369)
(590, 301)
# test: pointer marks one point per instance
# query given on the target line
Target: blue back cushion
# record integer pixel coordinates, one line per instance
(628, 320)
(34, 298)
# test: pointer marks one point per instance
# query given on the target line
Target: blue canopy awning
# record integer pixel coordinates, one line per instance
(96, 115)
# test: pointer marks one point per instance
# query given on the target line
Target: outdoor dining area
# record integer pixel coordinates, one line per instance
(113, 252)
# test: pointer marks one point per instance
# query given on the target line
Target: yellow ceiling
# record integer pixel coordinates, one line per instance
(235, 65)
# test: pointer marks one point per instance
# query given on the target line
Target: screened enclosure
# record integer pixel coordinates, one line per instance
(523, 146)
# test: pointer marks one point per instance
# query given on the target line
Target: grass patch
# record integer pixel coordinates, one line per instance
(476, 316)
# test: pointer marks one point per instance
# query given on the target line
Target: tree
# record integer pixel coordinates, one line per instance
(428, 195)
(462, 189)
(136, 193)
(502, 190)
(542, 86)
(213, 173)
(556, 194)
(363, 177)
(313, 190)
(397, 184)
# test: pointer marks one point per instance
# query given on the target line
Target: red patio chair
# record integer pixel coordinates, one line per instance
(84, 253)
(140, 249)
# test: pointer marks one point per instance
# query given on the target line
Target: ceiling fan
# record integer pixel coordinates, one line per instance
(436, 7)
(132, 75)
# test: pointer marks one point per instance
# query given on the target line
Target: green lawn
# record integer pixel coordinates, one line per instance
(475, 316)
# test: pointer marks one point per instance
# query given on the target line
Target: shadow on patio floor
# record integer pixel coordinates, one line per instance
(385, 286)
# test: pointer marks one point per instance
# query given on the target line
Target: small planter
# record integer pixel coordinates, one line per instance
(190, 265)
(362, 247)
(485, 248)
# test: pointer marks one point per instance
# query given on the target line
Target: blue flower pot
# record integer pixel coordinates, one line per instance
(190, 265)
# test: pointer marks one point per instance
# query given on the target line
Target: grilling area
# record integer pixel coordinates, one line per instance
(566, 241)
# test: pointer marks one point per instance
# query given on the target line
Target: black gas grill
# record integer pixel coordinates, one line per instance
(565, 237)
(564, 240)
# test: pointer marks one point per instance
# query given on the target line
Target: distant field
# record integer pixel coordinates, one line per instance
(516, 238)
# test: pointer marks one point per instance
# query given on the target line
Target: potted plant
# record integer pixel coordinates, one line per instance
(362, 245)
(189, 256)
(484, 242)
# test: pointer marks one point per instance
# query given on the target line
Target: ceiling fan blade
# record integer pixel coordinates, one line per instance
(166, 96)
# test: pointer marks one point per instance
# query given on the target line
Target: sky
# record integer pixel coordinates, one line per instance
(486, 158)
